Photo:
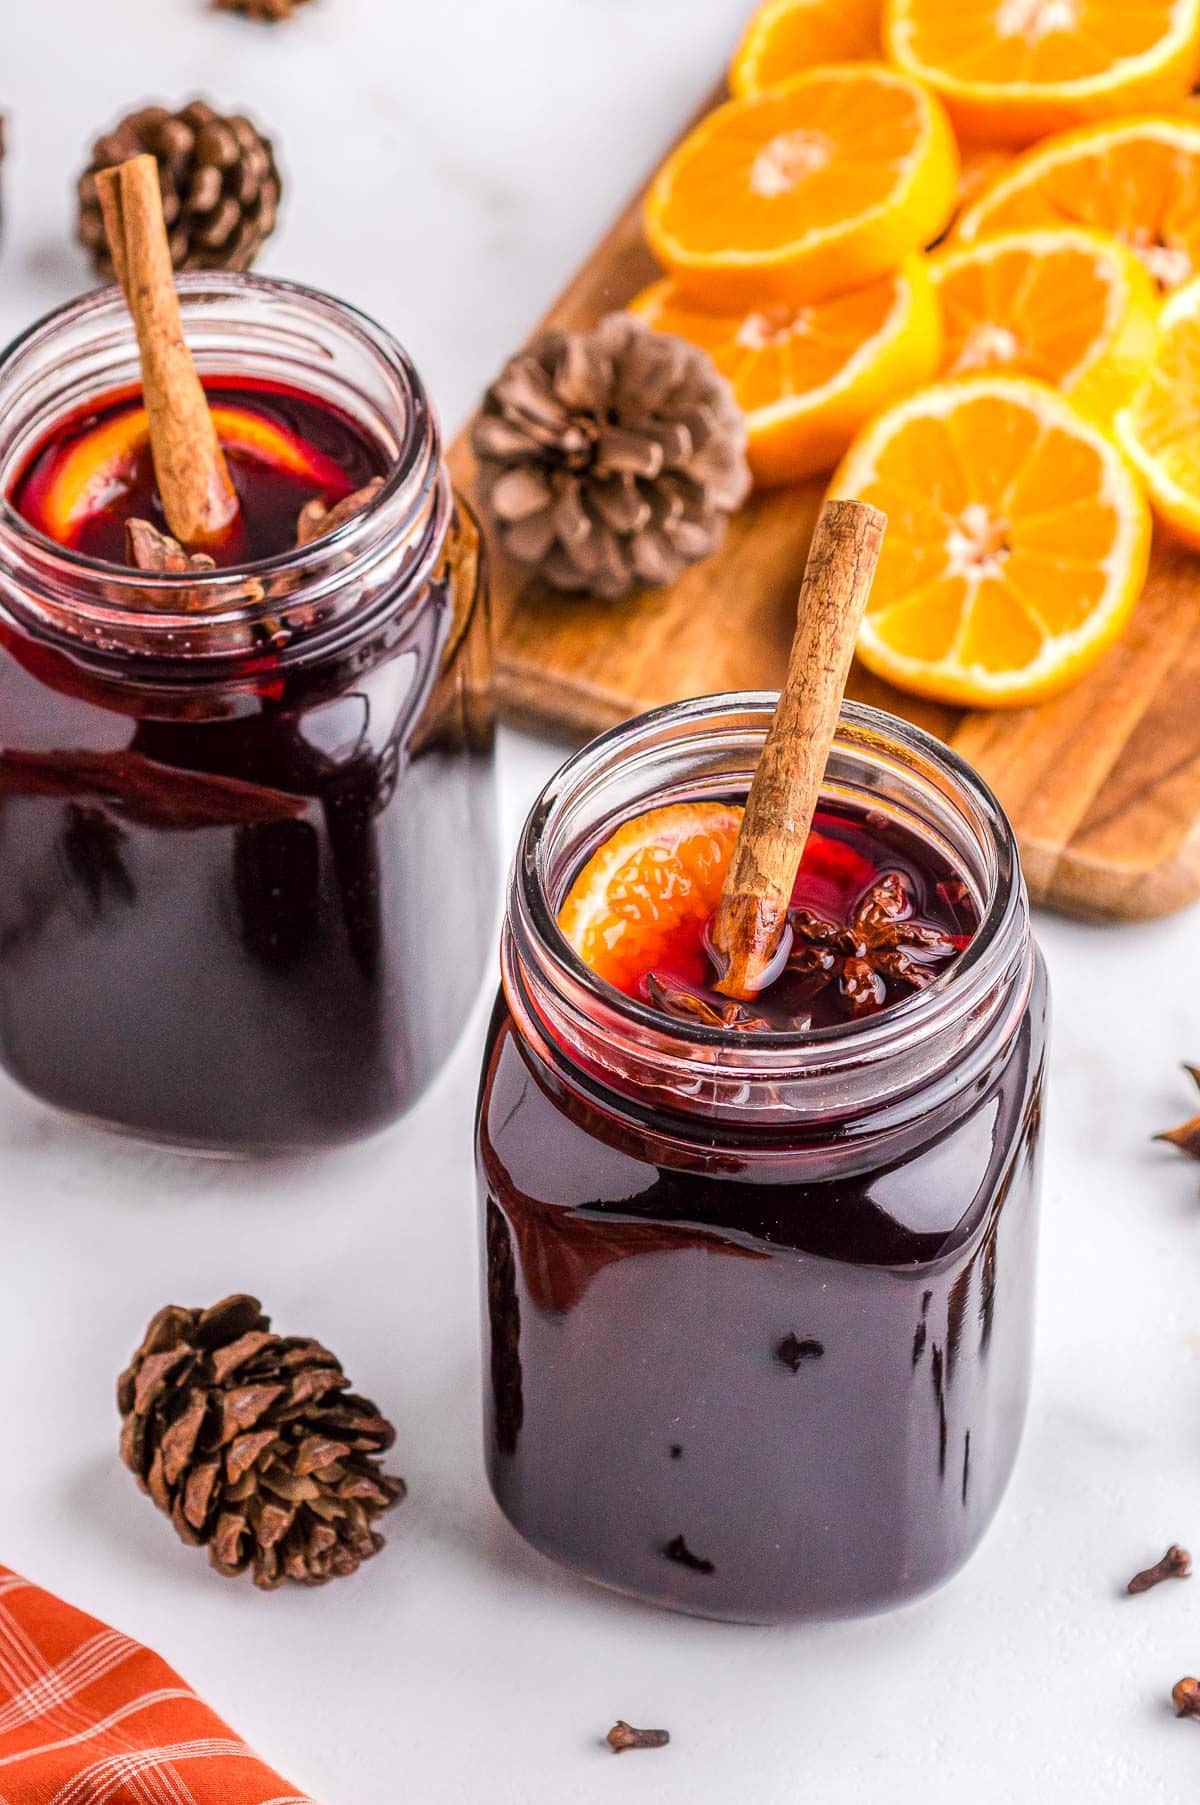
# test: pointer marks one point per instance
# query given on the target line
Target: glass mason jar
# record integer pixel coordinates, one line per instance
(247, 833)
(758, 1307)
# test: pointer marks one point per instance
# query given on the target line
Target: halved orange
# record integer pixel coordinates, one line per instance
(1072, 307)
(1011, 71)
(1138, 179)
(808, 377)
(101, 462)
(1017, 541)
(649, 892)
(819, 186)
(786, 36)
(1160, 428)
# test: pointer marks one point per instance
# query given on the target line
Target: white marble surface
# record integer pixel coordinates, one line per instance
(449, 163)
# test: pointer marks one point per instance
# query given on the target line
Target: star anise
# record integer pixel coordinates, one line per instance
(1187, 1136)
(317, 517)
(673, 1000)
(148, 549)
(883, 941)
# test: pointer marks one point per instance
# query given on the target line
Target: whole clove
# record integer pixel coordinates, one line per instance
(623, 1736)
(1187, 1136)
(1176, 1563)
(1185, 1696)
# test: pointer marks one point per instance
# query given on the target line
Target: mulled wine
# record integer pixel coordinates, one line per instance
(93, 472)
(758, 1286)
(230, 800)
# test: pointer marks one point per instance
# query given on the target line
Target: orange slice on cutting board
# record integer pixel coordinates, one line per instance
(1160, 428)
(1017, 541)
(807, 378)
(785, 37)
(819, 186)
(1138, 180)
(1011, 71)
(1072, 307)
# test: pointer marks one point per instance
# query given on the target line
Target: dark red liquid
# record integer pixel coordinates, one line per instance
(834, 932)
(314, 452)
(759, 1375)
(224, 917)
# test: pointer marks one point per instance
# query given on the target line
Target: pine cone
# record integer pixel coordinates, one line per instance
(220, 186)
(259, 9)
(251, 1443)
(610, 459)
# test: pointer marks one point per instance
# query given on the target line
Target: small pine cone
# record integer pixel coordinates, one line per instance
(610, 459)
(259, 9)
(220, 185)
(252, 1444)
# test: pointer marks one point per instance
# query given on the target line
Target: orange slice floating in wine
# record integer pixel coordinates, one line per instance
(645, 897)
(101, 465)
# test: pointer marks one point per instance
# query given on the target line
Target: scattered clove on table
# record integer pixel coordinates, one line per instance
(1176, 1563)
(623, 1736)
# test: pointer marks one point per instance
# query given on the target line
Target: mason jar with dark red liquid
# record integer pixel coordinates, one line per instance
(246, 814)
(758, 1305)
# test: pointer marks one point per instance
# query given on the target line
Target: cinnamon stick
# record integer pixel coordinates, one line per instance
(193, 481)
(748, 928)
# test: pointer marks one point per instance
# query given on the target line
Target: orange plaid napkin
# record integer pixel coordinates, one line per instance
(88, 1717)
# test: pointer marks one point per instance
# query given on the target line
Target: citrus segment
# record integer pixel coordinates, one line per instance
(1071, 307)
(808, 377)
(1011, 71)
(785, 37)
(1160, 429)
(1017, 541)
(1138, 180)
(819, 186)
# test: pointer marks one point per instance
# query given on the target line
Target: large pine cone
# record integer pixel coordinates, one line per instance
(251, 1443)
(610, 459)
(220, 185)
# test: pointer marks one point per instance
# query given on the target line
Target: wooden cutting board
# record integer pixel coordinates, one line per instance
(1102, 784)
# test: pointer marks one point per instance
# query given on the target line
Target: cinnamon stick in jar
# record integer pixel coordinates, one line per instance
(193, 479)
(748, 929)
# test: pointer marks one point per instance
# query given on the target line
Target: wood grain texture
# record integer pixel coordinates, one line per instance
(1102, 785)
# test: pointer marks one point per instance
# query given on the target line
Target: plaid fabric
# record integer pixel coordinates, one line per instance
(88, 1717)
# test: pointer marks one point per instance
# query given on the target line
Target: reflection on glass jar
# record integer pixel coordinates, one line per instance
(758, 1307)
(247, 839)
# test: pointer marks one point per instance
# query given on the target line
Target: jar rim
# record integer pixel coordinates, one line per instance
(540, 960)
(407, 488)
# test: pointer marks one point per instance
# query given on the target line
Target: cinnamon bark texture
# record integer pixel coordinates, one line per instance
(193, 481)
(749, 925)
